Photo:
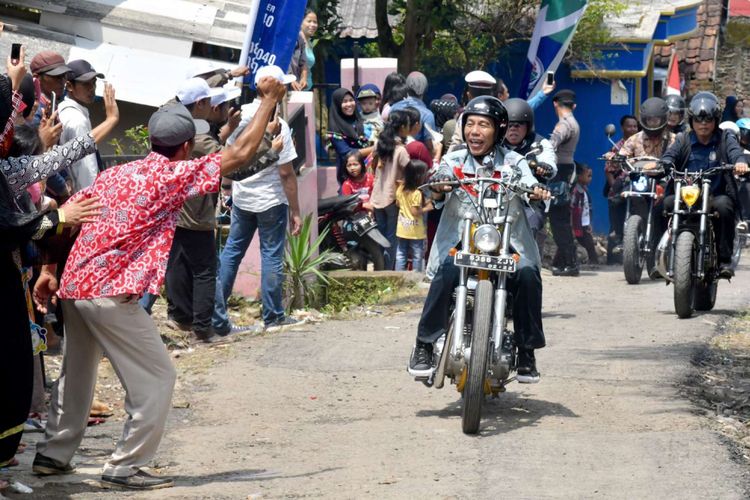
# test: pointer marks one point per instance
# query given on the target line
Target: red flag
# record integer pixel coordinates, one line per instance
(673, 81)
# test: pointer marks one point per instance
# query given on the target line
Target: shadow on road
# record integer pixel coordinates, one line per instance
(57, 490)
(509, 412)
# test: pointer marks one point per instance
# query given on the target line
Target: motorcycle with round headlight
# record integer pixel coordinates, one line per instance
(478, 352)
(686, 255)
(641, 192)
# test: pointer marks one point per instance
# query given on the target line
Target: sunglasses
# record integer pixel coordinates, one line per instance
(515, 124)
(703, 119)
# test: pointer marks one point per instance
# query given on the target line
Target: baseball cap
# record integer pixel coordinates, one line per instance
(227, 94)
(172, 124)
(195, 89)
(48, 62)
(368, 90)
(480, 79)
(82, 71)
(274, 72)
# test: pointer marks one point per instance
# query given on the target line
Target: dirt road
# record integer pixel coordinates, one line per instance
(329, 411)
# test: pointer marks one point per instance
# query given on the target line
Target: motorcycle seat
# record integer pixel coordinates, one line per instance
(335, 202)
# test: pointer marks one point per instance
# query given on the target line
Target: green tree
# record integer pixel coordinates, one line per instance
(455, 35)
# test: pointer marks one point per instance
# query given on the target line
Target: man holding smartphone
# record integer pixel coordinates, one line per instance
(49, 71)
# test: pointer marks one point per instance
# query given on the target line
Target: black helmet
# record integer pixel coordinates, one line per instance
(520, 111)
(490, 107)
(653, 116)
(704, 104)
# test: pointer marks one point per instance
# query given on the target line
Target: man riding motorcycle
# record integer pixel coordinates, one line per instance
(520, 138)
(676, 115)
(483, 126)
(702, 148)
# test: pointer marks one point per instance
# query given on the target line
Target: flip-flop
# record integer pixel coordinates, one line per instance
(21, 448)
(12, 463)
(4, 485)
(95, 421)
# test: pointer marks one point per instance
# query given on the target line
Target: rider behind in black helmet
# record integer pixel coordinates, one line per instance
(483, 125)
(521, 137)
(706, 147)
(676, 114)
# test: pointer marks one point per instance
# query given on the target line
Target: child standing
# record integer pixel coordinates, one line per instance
(358, 179)
(368, 100)
(410, 230)
(580, 212)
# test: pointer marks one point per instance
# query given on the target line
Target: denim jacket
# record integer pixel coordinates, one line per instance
(457, 202)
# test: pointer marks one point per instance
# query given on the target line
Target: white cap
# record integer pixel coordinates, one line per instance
(195, 89)
(730, 125)
(274, 72)
(227, 94)
(480, 77)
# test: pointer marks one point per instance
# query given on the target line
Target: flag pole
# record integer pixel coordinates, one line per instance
(254, 7)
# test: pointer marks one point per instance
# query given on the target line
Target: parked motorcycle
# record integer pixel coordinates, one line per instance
(686, 255)
(352, 233)
(478, 352)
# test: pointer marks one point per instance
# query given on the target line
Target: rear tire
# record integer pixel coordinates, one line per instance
(632, 263)
(705, 295)
(684, 286)
(372, 252)
(480, 339)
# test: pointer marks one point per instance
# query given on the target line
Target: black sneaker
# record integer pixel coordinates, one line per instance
(420, 364)
(209, 337)
(526, 372)
(141, 480)
(45, 466)
(726, 272)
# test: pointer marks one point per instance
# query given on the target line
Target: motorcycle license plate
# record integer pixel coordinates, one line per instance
(363, 224)
(490, 262)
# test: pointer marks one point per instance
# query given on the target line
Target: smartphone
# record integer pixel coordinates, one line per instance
(53, 107)
(550, 78)
(15, 52)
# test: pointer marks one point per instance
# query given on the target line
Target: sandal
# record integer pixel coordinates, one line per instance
(99, 409)
(95, 421)
(4, 484)
(21, 448)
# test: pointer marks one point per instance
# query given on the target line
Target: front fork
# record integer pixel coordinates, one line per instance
(461, 294)
(650, 219)
(700, 273)
(675, 225)
(501, 293)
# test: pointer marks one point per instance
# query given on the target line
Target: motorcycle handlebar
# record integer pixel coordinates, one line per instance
(476, 180)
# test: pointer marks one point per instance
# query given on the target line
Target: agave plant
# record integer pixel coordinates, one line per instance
(302, 264)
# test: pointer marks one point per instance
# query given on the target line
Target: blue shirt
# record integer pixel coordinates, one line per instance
(705, 156)
(426, 116)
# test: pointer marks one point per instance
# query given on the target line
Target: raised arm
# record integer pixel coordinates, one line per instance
(113, 115)
(242, 150)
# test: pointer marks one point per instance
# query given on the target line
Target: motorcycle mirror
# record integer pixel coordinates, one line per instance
(536, 149)
(610, 130)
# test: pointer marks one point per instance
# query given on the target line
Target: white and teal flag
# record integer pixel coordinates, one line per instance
(555, 25)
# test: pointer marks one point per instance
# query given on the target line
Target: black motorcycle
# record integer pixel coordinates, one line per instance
(352, 233)
(686, 255)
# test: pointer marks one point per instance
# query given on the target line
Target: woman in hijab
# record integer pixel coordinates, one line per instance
(346, 130)
(16, 229)
(733, 109)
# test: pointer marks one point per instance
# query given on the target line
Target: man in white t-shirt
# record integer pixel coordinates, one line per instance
(264, 202)
(74, 116)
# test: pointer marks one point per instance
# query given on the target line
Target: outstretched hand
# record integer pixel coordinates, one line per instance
(16, 69)
(271, 88)
(84, 210)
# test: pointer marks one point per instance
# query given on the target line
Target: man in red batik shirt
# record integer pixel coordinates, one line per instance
(113, 262)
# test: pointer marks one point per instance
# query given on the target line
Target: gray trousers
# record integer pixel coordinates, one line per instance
(123, 330)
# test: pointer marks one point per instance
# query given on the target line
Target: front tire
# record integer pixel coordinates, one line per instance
(632, 262)
(480, 339)
(684, 264)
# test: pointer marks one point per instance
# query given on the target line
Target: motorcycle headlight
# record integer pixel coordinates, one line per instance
(690, 194)
(487, 238)
(641, 184)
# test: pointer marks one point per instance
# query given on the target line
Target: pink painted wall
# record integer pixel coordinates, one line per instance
(247, 283)
(371, 70)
